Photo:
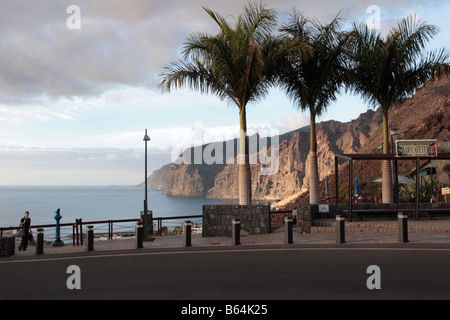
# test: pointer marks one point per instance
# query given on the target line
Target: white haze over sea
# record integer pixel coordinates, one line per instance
(91, 203)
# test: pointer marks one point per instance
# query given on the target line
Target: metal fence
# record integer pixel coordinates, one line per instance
(110, 229)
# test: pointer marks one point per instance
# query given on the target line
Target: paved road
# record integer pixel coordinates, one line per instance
(284, 272)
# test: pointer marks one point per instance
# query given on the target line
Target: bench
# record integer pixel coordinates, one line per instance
(435, 211)
(431, 212)
(361, 212)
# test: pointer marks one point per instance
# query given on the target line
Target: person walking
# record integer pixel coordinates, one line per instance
(25, 224)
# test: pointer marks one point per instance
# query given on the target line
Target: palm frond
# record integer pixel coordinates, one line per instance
(388, 70)
(314, 78)
(235, 64)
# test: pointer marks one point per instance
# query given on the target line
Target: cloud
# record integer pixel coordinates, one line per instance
(293, 122)
(119, 43)
(82, 166)
(39, 113)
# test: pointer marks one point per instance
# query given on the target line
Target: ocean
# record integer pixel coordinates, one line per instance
(91, 203)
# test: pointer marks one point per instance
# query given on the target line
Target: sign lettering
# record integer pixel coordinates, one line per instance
(416, 148)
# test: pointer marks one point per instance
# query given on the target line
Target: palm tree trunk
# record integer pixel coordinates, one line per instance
(314, 191)
(245, 184)
(387, 189)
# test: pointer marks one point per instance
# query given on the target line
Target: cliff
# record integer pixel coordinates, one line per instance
(219, 181)
(426, 115)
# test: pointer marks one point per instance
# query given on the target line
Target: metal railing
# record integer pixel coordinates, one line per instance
(108, 230)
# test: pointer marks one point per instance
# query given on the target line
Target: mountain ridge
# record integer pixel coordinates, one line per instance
(425, 115)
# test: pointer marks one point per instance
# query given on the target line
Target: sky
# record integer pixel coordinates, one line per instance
(79, 85)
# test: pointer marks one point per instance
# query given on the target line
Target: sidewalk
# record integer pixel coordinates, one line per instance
(358, 235)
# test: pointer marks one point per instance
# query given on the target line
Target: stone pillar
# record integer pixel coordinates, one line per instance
(7, 246)
(304, 217)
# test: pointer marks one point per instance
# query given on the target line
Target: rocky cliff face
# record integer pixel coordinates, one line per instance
(426, 115)
(221, 181)
(157, 180)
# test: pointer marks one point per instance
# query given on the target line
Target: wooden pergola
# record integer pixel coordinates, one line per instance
(392, 157)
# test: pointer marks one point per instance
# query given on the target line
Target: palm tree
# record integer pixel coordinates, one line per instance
(237, 65)
(386, 71)
(312, 81)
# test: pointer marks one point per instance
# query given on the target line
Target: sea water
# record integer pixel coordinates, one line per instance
(90, 203)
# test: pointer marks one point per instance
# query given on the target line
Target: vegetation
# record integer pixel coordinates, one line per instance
(237, 65)
(387, 71)
(311, 62)
(312, 81)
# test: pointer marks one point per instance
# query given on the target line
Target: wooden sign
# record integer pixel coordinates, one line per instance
(416, 148)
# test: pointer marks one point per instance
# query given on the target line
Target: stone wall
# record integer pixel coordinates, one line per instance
(7, 246)
(255, 219)
(306, 213)
(305, 216)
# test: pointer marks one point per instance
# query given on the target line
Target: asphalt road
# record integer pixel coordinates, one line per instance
(288, 272)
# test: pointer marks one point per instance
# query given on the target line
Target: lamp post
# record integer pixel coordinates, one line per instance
(147, 218)
(146, 139)
(393, 133)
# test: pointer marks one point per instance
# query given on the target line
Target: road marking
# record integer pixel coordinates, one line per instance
(220, 251)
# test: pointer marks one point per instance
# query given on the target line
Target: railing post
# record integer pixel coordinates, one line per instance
(187, 233)
(80, 221)
(73, 234)
(402, 228)
(139, 235)
(77, 233)
(40, 241)
(89, 238)
(288, 239)
(110, 236)
(340, 229)
(236, 232)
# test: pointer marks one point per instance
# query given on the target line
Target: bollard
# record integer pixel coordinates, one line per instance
(40, 241)
(139, 235)
(236, 232)
(402, 228)
(340, 229)
(89, 238)
(288, 230)
(187, 233)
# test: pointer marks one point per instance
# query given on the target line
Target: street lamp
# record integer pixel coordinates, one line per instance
(147, 218)
(394, 132)
(146, 139)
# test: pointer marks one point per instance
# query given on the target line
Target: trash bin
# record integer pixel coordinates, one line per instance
(147, 220)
